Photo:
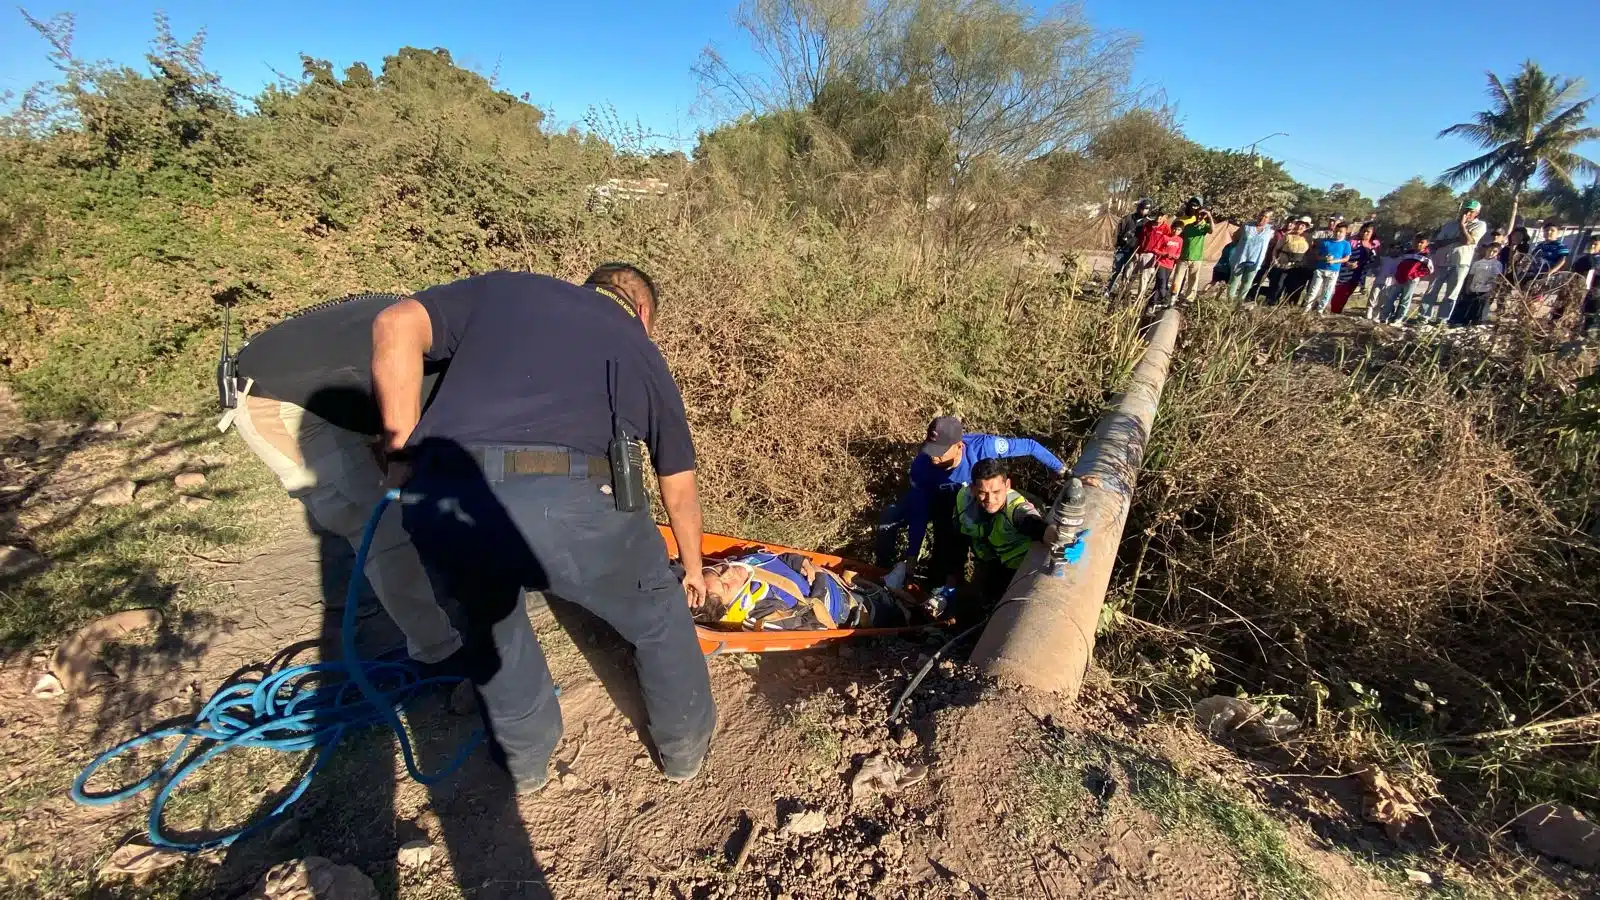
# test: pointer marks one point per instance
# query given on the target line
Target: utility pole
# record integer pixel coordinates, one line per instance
(1269, 137)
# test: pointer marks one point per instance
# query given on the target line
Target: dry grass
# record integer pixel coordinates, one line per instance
(1378, 537)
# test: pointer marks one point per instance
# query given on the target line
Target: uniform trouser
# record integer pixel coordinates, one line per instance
(1440, 300)
(332, 471)
(947, 543)
(1188, 279)
(561, 534)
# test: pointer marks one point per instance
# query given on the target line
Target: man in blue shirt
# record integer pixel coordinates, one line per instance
(1549, 256)
(1330, 254)
(942, 467)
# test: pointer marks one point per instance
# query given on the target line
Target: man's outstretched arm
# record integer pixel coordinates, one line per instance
(1014, 447)
(401, 334)
(679, 496)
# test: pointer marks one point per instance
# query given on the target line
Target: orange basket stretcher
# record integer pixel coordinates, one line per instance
(714, 641)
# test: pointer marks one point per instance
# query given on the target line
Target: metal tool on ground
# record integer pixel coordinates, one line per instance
(302, 708)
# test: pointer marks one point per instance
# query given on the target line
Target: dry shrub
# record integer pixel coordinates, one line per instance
(1369, 527)
(811, 358)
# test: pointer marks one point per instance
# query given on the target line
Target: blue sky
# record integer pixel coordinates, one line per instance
(1360, 98)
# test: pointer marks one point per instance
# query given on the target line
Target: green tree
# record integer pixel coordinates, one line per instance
(1336, 200)
(1133, 153)
(1233, 184)
(949, 102)
(1575, 205)
(1413, 207)
(1531, 129)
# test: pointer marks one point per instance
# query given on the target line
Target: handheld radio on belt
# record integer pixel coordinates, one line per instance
(227, 362)
(627, 458)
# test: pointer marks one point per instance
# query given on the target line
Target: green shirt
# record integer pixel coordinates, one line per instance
(1194, 239)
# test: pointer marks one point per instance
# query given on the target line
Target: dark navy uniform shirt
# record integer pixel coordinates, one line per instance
(321, 359)
(532, 360)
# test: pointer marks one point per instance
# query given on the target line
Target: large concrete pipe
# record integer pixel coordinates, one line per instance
(1044, 637)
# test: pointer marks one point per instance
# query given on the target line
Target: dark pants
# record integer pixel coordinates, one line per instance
(561, 534)
(1469, 309)
(1121, 261)
(990, 578)
(1163, 291)
(947, 543)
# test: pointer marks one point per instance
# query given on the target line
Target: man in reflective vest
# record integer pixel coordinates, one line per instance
(942, 466)
(999, 525)
(788, 592)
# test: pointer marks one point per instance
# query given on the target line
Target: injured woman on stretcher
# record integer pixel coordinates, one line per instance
(766, 591)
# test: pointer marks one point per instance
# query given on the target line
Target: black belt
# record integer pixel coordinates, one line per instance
(499, 463)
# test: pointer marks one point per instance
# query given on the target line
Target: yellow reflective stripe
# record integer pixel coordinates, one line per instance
(626, 306)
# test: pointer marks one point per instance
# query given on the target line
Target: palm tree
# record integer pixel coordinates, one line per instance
(1532, 129)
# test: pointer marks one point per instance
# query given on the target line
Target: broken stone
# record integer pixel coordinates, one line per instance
(1223, 717)
(48, 687)
(188, 481)
(413, 854)
(194, 504)
(103, 427)
(907, 739)
(77, 661)
(16, 560)
(961, 886)
(810, 821)
(313, 878)
(117, 493)
(1418, 877)
(881, 775)
(138, 860)
(1558, 830)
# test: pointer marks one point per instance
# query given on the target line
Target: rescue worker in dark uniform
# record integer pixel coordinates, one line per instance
(512, 478)
(999, 526)
(941, 468)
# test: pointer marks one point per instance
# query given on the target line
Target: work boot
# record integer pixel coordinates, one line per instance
(681, 772)
(533, 784)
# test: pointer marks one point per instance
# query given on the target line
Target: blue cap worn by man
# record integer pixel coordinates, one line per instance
(942, 467)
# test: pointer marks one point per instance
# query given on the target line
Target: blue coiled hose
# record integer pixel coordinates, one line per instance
(305, 707)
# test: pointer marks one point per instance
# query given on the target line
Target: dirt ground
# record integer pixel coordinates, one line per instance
(992, 793)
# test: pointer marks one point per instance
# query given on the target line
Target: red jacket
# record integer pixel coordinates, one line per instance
(1165, 243)
(1413, 266)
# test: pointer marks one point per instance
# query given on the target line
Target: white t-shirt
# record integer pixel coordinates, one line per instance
(1483, 275)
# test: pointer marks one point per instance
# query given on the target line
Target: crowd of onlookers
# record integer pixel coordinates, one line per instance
(1458, 275)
